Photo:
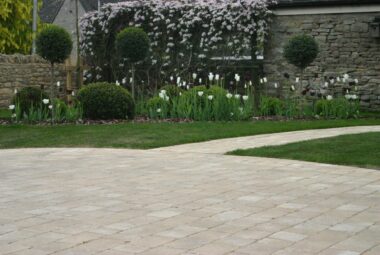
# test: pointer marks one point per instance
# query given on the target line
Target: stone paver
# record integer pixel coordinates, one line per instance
(168, 201)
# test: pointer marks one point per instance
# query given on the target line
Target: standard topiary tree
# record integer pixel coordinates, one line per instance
(133, 44)
(54, 44)
(301, 50)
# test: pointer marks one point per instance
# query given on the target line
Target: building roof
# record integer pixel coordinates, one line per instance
(51, 8)
(307, 3)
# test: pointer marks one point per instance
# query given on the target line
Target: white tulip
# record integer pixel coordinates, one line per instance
(347, 96)
(50, 107)
(346, 76)
(73, 93)
(166, 98)
(12, 107)
(245, 97)
(329, 97)
(171, 78)
(338, 79)
(229, 95)
(200, 93)
(15, 91)
(124, 80)
(354, 97)
(275, 85)
(210, 76)
(326, 84)
(130, 80)
(194, 76)
(292, 88)
(237, 77)
(45, 101)
(117, 83)
(159, 110)
(297, 79)
(14, 115)
(200, 80)
(210, 97)
(237, 96)
(217, 77)
(356, 81)
(178, 80)
(58, 84)
(265, 79)
(261, 81)
(250, 83)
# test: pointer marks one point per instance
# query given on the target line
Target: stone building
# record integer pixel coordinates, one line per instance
(62, 13)
(347, 32)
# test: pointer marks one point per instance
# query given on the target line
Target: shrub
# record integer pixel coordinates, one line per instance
(54, 44)
(301, 50)
(271, 106)
(132, 43)
(106, 101)
(172, 91)
(340, 108)
(29, 97)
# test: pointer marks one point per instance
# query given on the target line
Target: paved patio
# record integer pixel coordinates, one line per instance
(190, 200)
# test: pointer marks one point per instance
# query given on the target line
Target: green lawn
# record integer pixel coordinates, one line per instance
(151, 135)
(361, 150)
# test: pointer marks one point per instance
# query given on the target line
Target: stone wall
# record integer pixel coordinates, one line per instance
(18, 71)
(345, 47)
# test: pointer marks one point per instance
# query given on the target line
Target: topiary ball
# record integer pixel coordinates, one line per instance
(132, 43)
(106, 101)
(301, 50)
(54, 44)
(29, 97)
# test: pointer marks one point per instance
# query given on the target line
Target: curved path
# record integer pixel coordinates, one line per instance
(188, 199)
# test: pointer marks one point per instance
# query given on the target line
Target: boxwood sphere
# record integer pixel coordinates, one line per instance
(54, 44)
(132, 43)
(301, 50)
(106, 101)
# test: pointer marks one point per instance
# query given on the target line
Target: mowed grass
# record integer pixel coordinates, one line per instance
(151, 135)
(361, 150)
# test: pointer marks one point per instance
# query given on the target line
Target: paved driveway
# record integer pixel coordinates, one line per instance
(167, 201)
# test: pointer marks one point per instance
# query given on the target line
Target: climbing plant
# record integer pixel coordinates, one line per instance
(185, 36)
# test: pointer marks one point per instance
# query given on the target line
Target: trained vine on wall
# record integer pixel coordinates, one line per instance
(185, 36)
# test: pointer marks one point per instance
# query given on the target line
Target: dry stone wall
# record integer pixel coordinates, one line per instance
(18, 71)
(345, 47)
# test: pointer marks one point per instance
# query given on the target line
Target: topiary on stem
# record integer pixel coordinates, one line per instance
(54, 44)
(301, 51)
(133, 44)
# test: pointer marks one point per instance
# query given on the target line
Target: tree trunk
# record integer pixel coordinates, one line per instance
(255, 73)
(78, 66)
(52, 93)
(133, 81)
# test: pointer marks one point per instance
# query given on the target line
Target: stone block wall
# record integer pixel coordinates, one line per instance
(345, 47)
(18, 71)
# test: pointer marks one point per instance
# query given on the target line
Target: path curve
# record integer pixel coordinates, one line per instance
(222, 146)
(177, 201)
